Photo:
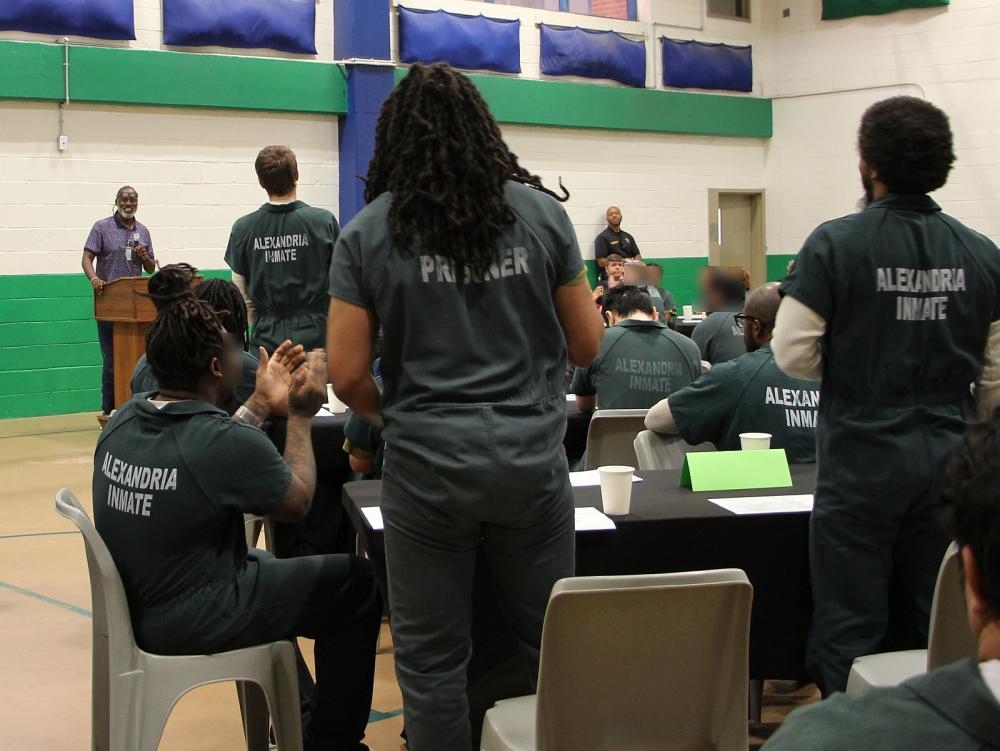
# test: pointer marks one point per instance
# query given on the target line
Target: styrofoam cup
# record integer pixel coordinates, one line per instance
(755, 441)
(689, 311)
(616, 489)
(333, 403)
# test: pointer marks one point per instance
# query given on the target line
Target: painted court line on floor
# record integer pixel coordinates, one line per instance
(38, 534)
(46, 599)
(374, 715)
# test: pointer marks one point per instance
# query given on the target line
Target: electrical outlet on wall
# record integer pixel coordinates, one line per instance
(63, 143)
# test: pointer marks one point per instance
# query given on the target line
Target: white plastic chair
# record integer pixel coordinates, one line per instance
(252, 526)
(655, 451)
(950, 638)
(610, 437)
(639, 663)
(134, 691)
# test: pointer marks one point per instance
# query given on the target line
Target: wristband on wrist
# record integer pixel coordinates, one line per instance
(247, 416)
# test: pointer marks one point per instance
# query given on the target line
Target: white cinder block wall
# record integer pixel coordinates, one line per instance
(193, 170)
(825, 73)
(660, 181)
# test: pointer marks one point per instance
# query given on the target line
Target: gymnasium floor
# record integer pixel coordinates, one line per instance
(45, 613)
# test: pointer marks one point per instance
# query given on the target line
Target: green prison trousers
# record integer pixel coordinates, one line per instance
(330, 598)
(875, 537)
(490, 481)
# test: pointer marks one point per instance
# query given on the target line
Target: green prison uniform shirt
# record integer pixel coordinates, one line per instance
(908, 294)
(284, 253)
(171, 486)
(639, 363)
(143, 379)
(475, 345)
(719, 338)
(950, 709)
(749, 395)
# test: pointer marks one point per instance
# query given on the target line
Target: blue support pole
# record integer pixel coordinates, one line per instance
(360, 31)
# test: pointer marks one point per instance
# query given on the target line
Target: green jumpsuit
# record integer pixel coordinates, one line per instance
(719, 338)
(283, 252)
(639, 363)
(749, 395)
(171, 484)
(474, 414)
(908, 294)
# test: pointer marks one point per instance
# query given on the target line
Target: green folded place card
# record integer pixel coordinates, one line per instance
(736, 470)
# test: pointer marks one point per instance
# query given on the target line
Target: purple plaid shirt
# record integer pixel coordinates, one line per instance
(107, 241)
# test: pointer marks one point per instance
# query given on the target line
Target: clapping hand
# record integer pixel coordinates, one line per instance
(274, 375)
(307, 391)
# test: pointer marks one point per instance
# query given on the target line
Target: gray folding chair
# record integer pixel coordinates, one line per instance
(950, 637)
(134, 691)
(636, 662)
(253, 526)
(656, 451)
(611, 435)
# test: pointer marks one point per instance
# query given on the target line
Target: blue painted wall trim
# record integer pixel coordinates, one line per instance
(361, 30)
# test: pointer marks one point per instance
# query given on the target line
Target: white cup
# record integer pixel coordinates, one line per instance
(333, 403)
(689, 311)
(755, 441)
(616, 489)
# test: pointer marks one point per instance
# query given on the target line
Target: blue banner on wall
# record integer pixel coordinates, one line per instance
(102, 19)
(286, 25)
(697, 65)
(470, 42)
(593, 54)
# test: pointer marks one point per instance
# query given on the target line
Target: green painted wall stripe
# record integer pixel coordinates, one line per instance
(52, 366)
(581, 105)
(65, 332)
(40, 405)
(50, 361)
(777, 266)
(34, 71)
(174, 79)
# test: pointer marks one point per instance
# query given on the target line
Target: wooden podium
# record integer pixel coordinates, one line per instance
(131, 313)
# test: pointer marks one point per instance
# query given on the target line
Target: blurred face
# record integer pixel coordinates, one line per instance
(231, 366)
(614, 217)
(615, 268)
(127, 203)
(653, 275)
(635, 275)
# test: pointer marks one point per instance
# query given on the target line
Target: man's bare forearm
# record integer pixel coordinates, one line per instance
(299, 454)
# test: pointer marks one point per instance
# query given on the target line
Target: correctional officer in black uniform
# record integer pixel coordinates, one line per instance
(173, 477)
(475, 274)
(280, 256)
(747, 395)
(898, 309)
(613, 239)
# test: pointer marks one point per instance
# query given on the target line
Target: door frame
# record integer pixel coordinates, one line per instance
(758, 248)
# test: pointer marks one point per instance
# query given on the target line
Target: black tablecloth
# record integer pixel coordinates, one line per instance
(670, 529)
(326, 529)
(683, 326)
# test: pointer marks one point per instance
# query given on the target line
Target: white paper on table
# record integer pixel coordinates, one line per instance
(589, 519)
(766, 504)
(374, 516)
(324, 411)
(590, 479)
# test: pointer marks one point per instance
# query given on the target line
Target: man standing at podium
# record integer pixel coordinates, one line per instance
(122, 247)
